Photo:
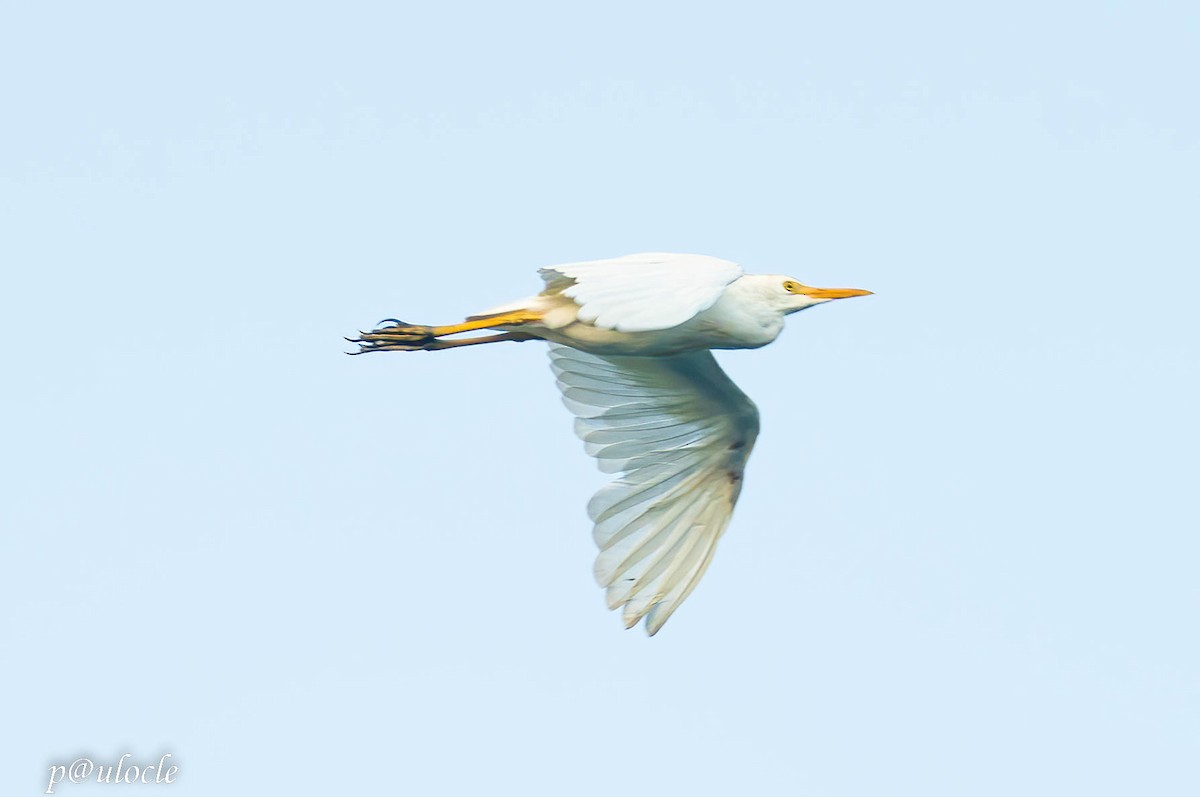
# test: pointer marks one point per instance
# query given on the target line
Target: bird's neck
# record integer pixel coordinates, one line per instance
(745, 315)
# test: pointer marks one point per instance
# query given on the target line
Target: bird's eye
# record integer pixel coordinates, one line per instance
(791, 286)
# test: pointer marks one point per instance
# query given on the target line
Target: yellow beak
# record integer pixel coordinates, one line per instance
(832, 293)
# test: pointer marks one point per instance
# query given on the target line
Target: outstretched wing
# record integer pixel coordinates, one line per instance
(639, 293)
(679, 432)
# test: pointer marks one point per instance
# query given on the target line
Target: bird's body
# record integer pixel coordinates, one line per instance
(730, 323)
(629, 340)
(603, 307)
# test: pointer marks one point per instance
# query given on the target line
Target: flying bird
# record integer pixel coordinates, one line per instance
(630, 344)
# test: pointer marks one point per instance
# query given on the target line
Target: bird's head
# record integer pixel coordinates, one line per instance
(791, 295)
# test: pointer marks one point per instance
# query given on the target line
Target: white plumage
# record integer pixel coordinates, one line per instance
(641, 293)
(679, 431)
(629, 340)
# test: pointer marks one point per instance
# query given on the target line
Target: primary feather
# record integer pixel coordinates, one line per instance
(679, 432)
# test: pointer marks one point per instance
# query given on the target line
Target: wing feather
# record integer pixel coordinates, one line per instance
(639, 293)
(679, 432)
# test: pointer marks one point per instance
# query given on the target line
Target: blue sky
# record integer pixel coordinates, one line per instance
(964, 561)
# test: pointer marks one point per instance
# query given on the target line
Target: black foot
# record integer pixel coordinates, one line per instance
(394, 335)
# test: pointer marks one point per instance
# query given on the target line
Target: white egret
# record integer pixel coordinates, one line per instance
(629, 342)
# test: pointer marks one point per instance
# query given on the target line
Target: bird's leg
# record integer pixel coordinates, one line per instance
(398, 331)
(512, 319)
(373, 341)
(396, 335)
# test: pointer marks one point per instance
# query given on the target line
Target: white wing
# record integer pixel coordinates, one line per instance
(679, 431)
(639, 293)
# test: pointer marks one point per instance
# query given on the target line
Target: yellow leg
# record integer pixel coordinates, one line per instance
(514, 318)
(399, 332)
